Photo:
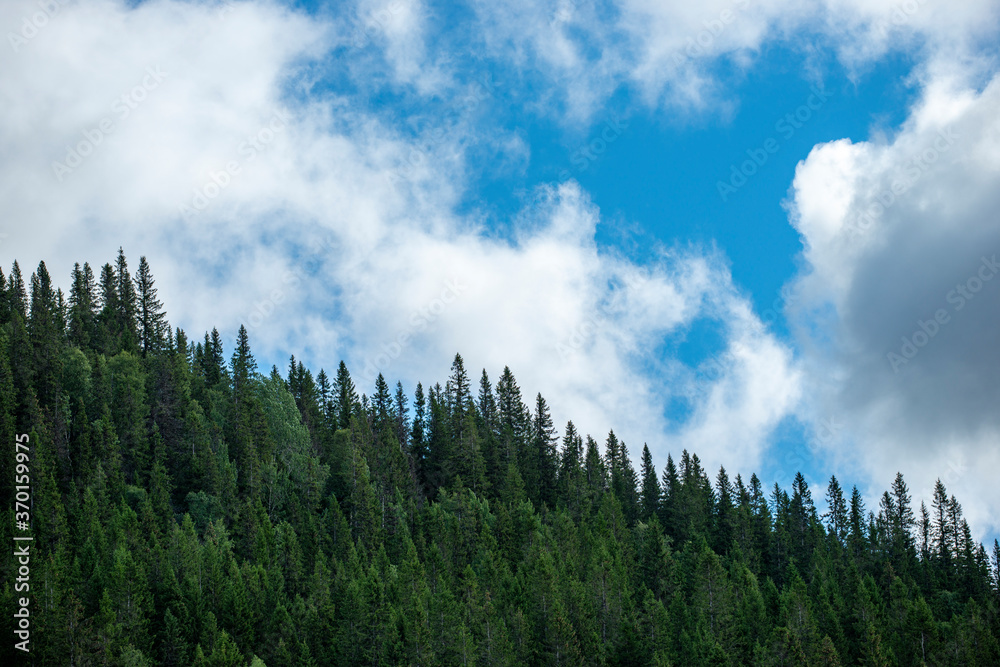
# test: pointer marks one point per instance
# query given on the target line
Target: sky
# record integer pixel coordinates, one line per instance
(764, 232)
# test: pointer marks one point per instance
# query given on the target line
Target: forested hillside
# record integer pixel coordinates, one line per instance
(188, 508)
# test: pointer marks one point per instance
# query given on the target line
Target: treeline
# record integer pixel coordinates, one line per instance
(189, 510)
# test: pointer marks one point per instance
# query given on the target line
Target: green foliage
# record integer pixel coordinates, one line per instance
(190, 512)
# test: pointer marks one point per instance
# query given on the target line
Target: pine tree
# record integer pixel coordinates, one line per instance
(542, 463)
(108, 325)
(594, 471)
(996, 566)
(570, 484)
(400, 414)
(381, 404)
(802, 514)
(345, 396)
(488, 426)
(724, 516)
(418, 441)
(127, 306)
(902, 523)
(650, 496)
(458, 396)
(836, 514)
(243, 366)
(856, 517)
(46, 335)
(82, 302)
(5, 312)
(514, 421)
(669, 488)
(153, 327)
(16, 294)
(142, 466)
(941, 528)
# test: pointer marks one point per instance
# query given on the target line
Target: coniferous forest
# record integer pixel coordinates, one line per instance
(190, 508)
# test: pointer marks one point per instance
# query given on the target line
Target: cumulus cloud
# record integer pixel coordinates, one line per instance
(331, 230)
(899, 308)
(676, 54)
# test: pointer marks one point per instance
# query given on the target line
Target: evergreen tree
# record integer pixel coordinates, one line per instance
(127, 314)
(669, 488)
(243, 366)
(418, 441)
(541, 464)
(16, 294)
(514, 421)
(593, 467)
(487, 424)
(724, 516)
(46, 335)
(153, 327)
(345, 396)
(650, 486)
(857, 535)
(82, 306)
(571, 485)
(400, 414)
(189, 511)
(836, 515)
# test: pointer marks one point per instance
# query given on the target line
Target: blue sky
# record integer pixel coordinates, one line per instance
(537, 184)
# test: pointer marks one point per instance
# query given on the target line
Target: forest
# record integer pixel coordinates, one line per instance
(189, 508)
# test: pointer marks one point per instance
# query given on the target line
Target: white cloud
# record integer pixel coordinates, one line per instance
(671, 51)
(331, 233)
(898, 310)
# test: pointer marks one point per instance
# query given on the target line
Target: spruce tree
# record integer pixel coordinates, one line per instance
(127, 314)
(650, 486)
(487, 423)
(108, 327)
(857, 535)
(345, 396)
(243, 366)
(82, 306)
(941, 528)
(16, 294)
(153, 328)
(594, 471)
(46, 337)
(543, 464)
(669, 490)
(418, 441)
(836, 514)
(570, 483)
(724, 515)
(400, 415)
(514, 420)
